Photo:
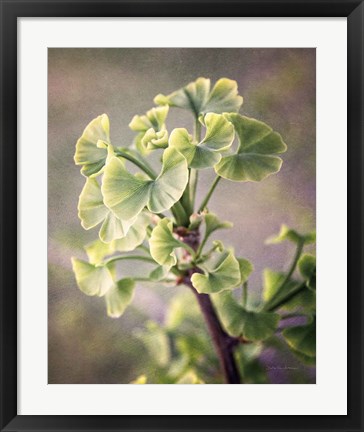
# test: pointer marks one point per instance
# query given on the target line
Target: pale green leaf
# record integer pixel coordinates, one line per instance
(213, 223)
(154, 140)
(92, 211)
(163, 243)
(196, 97)
(119, 296)
(256, 157)
(294, 236)
(190, 377)
(92, 280)
(91, 151)
(221, 273)
(98, 250)
(154, 118)
(141, 379)
(307, 268)
(219, 137)
(156, 342)
(302, 338)
(246, 268)
(159, 273)
(126, 194)
(274, 290)
(252, 326)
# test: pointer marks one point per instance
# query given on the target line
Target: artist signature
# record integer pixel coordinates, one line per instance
(281, 368)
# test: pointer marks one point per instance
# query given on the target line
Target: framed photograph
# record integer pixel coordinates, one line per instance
(171, 174)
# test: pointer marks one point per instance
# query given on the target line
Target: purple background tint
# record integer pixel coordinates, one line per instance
(278, 86)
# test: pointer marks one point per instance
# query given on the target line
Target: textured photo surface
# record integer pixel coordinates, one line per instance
(152, 279)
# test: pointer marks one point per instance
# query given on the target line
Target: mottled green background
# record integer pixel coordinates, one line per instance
(278, 86)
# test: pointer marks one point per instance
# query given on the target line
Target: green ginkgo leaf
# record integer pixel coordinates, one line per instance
(213, 223)
(163, 243)
(307, 268)
(157, 343)
(252, 326)
(246, 268)
(294, 236)
(98, 250)
(302, 338)
(92, 280)
(219, 137)
(274, 290)
(93, 148)
(220, 273)
(196, 97)
(159, 273)
(154, 140)
(256, 157)
(126, 194)
(119, 296)
(92, 211)
(151, 129)
(190, 377)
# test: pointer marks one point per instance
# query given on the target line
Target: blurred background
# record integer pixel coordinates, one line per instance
(278, 86)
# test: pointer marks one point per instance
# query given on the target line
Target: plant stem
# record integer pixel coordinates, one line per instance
(209, 193)
(245, 294)
(193, 187)
(138, 163)
(223, 343)
(288, 276)
(180, 214)
(130, 257)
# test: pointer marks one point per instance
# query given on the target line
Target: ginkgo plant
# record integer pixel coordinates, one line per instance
(149, 214)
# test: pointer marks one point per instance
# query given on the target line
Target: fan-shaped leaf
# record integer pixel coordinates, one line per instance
(302, 338)
(151, 128)
(246, 268)
(163, 244)
(213, 223)
(92, 280)
(307, 268)
(294, 236)
(126, 195)
(119, 296)
(221, 273)
(253, 326)
(196, 97)
(256, 157)
(219, 137)
(92, 211)
(98, 250)
(93, 146)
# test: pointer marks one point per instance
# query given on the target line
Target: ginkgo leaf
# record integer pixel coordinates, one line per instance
(126, 194)
(253, 326)
(154, 118)
(159, 273)
(151, 127)
(163, 244)
(274, 290)
(93, 147)
(190, 377)
(92, 280)
(156, 341)
(98, 250)
(196, 97)
(246, 268)
(302, 338)
(219, 137)
(119, 296)
(153, 140)
(92, 211)
(256, 157)
(221, 273)
(213, 223)
(307, 268)
(294, 236)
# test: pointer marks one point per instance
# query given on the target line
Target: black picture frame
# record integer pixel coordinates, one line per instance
(10, 11)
